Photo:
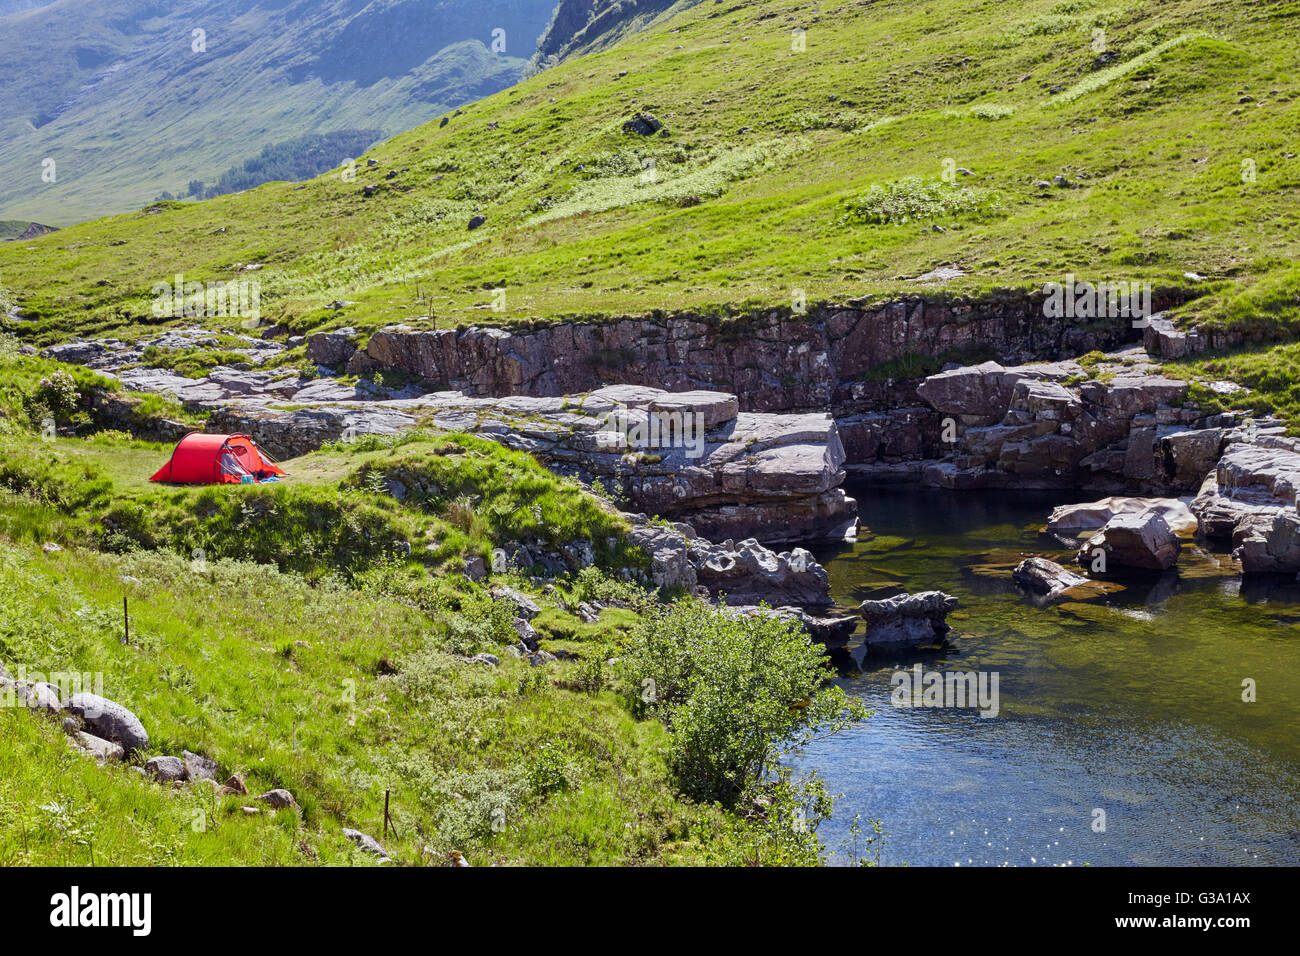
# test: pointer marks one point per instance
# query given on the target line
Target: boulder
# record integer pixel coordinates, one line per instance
(1072, 520)
(644, 124)
(978, 391)
(907, 620)
(105, 751)
(833, 632)
(198, 767)
(366, 842)
(527, 636)
(1268, 543)
(1142, 541)
(332, 349)
(277, 799)
(166, 769)
(42, 698)
(1185, 457)
(748, 573)
(476, 568)
(524, 606)
(669, 553)
(1045, 578)
(109, 720)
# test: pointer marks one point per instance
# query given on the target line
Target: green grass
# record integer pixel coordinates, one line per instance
(1154, 139)
(1271, 374)
(334, 694)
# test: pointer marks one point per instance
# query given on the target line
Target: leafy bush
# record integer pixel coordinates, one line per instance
(58, 393)
(735, 694)
(911, 200)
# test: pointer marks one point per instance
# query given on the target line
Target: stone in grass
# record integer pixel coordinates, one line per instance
(278, 799)
(524, 606)
(235, 785)
(367, 843)
(527, 635)
(198, 767)
(105, 751)
(166, 769)
(109, 720)
(42, 698)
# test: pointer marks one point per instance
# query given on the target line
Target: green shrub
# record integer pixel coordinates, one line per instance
(911, 200)
(735, 694)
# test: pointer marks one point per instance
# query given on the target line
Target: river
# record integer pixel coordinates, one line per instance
(1122, 737)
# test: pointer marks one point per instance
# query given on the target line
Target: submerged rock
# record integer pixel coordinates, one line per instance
(907, 620)
(1045, 578)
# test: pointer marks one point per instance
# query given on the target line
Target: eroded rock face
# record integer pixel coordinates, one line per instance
(1058, 425)
(1251, 499)
(773, 362)
(1142, 541)
(677, 454)
(907, 620)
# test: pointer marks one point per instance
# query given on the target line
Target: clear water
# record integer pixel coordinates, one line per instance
(1133, 707)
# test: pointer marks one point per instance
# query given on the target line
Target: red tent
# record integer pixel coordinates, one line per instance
(217, 460)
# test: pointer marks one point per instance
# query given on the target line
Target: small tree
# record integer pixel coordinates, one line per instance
(736, 693)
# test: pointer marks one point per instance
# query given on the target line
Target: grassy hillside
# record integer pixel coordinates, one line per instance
(129, 103)
(822, 170)
(318, 636)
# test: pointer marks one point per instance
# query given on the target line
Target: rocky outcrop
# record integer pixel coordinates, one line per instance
(774, 362)
(737, 574)
(1250, 499)
(748, 573)
(1061, 426)
(907, 620)
(676, 454)
(1142, 541)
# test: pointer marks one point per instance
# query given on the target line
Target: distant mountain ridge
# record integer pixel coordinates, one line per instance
(136, 97)
(586, 26)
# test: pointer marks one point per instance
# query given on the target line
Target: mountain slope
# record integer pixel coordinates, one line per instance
(810, 163)
(585, 26)
(129, 101)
